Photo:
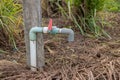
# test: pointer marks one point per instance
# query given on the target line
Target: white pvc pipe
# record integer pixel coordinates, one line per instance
(33, 55)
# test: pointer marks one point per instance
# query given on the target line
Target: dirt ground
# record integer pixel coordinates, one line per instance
(84, 59)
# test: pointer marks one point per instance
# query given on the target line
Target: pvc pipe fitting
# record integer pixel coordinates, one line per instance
(33, 31)
(70, 33)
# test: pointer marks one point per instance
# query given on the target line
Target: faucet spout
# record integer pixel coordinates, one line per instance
(70, 33)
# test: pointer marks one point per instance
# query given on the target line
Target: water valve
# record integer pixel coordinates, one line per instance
(50, 25)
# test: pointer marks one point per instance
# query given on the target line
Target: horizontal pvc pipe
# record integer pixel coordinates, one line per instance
(70, 32)
(33, 59)
(54, 30)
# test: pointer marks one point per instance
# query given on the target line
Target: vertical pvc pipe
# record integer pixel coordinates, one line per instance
(33, 55)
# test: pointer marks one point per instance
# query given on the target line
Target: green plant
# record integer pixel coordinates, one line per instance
(112, 6)
(83, 13)
(10, 20)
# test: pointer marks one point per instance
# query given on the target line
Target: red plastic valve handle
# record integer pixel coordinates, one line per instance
(50, 25)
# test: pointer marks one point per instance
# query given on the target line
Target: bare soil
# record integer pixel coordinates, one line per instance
(84, 59)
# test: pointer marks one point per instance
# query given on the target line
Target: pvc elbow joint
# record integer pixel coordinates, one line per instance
(33, 31)
(70, 33)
